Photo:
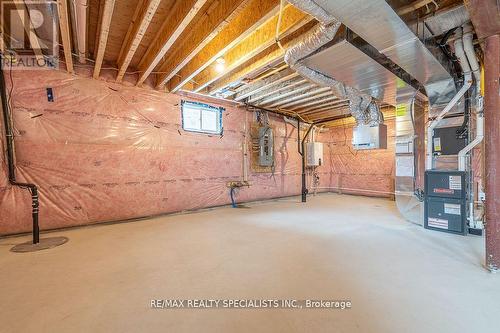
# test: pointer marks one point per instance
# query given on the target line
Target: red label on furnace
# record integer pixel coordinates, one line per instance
(443, 190)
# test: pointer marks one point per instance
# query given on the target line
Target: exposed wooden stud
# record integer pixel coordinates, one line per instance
(138, 29)
(317, 103)
(98, 28)
(181, 15)
(311, 92)
(276, 90)
(250, 18)
(290, 92)
(267, 59)
(323, 107)
(107, 15)
(297, 104)
(261, 39)
(261, 85)
(65, 33)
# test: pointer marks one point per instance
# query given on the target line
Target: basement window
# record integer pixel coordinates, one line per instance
(202, 118)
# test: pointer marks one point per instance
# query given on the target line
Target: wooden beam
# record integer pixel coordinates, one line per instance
(317, 103)
(311, 92)
(62, 10)
(266, 59)
(145, 13)
(325, 106)
(250, 18)
(261, 39)
(485, 16)
(181, 16)
(290, 91)
(107, 15)
(287, 87)
(98, 28)
(262, 85)
(298, 103)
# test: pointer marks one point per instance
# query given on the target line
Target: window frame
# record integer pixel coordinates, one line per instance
(203, 107)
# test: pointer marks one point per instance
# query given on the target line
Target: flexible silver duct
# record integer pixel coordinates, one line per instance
(321, 35)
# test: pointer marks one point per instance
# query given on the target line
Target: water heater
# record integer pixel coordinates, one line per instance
(314, 153)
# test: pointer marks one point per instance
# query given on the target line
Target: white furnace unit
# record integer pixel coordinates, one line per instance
(314, 153)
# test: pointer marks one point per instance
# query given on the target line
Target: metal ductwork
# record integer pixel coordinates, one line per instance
(296, 58)
(379, 25)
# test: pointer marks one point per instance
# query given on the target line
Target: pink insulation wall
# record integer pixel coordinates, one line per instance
(104, 152)
(367, 172)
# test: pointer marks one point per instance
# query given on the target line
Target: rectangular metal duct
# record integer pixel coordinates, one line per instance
(379, 25)
(346, 63)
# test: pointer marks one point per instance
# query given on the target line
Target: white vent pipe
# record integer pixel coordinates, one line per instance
(471, 56)
(459, 52)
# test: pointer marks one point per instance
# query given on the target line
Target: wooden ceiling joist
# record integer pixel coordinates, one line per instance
(266, 59)
(145, 11)
(298, 103)
(181, 15)
(286, 87)
(107, 14)
(287, 93)
(318, 102)
(64, 27)
(248, 20)
(315, 90)
(261, 39)
(323, 107)
(273, 80)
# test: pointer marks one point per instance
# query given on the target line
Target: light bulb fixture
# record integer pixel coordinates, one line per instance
(220, 65)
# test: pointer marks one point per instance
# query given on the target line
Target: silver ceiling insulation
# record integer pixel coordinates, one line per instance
(323, 34)
(379, 25)
(348, 64)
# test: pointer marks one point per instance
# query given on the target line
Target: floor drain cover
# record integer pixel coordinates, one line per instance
(45, 243)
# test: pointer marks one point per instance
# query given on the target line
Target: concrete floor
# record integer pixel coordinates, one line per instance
(399, 277)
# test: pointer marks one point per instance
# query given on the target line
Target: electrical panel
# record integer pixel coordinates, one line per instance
(445, 198)
(447, 142)
(369, 137)
(314, 153)
(266, 146)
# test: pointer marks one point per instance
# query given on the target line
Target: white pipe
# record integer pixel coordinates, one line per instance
(459, 52)
(471, 55)
(477, 140)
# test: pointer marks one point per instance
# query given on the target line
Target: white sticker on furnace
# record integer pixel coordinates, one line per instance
(455, 182)
(453, 209)
(437, 223)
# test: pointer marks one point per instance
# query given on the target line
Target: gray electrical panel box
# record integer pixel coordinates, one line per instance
(369, 137)
(266, 146)
(445, 198)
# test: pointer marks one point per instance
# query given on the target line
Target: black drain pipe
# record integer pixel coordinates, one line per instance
(303, 144)
(9, 138)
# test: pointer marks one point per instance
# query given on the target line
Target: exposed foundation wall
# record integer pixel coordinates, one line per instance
(104, 152)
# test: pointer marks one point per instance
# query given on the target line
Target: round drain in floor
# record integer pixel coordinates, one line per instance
(44, 244)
